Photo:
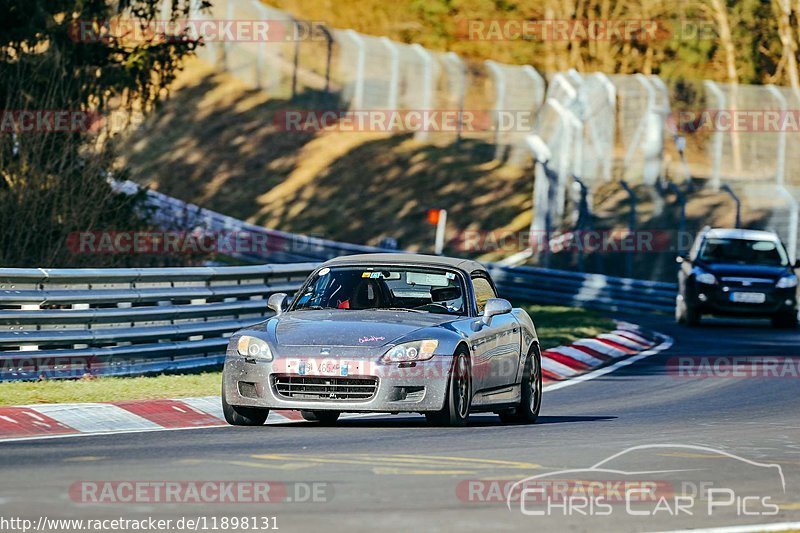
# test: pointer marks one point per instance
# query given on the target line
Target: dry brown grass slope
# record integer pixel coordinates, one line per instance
(214, 142)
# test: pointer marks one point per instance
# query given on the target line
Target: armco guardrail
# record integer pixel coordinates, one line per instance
(591, 291)
(69, 322)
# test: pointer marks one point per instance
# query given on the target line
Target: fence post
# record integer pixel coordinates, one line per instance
(226, 43)
(358, 91)
(639, 133)
(611, 93)
(631, 226)
(570, 124)
(794, 219)
(394, 73)
(681, 199)
(328, 61)
(584, 220)
(296, 58)
(541, 188)
(427, 85)
(780, 167)
(499, 102)
(716, 145)
(737, 201)
(456, 61)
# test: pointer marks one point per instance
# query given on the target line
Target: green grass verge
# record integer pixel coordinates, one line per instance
(110, 389)
(558, 326)
(555, 326)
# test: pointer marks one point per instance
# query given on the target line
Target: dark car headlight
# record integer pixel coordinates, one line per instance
(254, 348)
(701, 276)
(410, 351)
(787, 282)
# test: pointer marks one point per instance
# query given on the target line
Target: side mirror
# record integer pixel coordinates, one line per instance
(494, 307)
(277, 302)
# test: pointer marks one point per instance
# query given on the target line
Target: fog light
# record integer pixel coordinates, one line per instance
(702, 297)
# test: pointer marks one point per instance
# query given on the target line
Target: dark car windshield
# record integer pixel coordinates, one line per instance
(743, 251)
(401, 288)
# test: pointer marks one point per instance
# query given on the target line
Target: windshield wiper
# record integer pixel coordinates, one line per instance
(400, 309)
(312, 308)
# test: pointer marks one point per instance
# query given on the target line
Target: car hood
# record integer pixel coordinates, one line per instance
(360, 328)
(745, 271)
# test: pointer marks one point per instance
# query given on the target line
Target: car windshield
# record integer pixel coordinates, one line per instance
(743, 251)
(428, 290)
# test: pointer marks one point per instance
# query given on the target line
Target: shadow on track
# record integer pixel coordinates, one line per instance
(478, 420)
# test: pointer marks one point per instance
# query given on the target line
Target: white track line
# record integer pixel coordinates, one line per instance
(776, 526)
(665, 344)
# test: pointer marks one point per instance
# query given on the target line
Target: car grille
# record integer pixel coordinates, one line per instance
(747, 282)
(325, 388)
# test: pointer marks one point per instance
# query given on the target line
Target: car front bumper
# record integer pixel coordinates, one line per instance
(717, 299)
(421, 388)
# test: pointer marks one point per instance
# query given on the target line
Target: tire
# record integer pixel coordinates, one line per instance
(243, 416)
(531, 394)
(459, 395)
(325, 418)
(785, 320)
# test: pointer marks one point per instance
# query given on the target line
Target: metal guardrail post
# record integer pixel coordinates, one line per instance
(727, 188)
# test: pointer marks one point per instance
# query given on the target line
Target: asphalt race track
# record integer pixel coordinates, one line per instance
(396, 473)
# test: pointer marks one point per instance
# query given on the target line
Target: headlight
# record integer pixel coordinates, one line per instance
(787, 282)
(706, 278)
(254, 348)
(410, 351)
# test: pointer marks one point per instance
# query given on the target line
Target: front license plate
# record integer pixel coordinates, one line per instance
(749, 297)
(322, 368)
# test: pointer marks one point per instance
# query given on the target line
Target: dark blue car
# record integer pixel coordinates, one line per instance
(736, 272)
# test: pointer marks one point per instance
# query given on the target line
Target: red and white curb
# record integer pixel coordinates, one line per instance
(560, 366)
(565, 362)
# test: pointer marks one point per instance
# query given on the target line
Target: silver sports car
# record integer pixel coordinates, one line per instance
(387, 333)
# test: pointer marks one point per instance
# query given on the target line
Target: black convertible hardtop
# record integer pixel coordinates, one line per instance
(465, 265)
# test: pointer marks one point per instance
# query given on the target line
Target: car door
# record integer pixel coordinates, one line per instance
(497, 346)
